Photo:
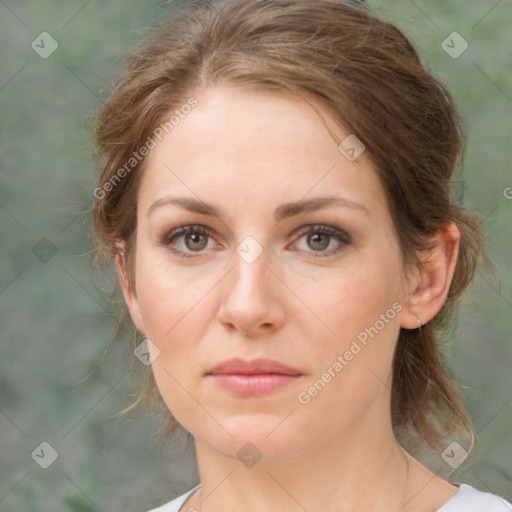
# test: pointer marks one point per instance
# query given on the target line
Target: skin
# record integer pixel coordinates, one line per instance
(246, 153)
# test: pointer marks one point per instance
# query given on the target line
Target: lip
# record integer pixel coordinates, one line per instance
(253, 367)
(253, 378)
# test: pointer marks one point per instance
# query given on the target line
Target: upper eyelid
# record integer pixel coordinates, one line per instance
(306, 228)
(343, 236)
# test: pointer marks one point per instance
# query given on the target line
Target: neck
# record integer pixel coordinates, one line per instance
(367, 471)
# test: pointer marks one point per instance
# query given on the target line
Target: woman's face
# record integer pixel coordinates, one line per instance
(317, 289)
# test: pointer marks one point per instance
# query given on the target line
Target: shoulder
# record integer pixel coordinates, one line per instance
(469, 499)
(175, 504)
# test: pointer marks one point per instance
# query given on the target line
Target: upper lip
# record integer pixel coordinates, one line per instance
(253, 367)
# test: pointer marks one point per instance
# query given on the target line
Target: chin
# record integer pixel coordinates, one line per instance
(257, 439)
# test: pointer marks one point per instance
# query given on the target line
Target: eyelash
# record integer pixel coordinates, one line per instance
(341, 236)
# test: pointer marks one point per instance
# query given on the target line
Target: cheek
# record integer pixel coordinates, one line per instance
(177, 309)
(172, 311)
(168, 296)
(352, 299)
(361, 308)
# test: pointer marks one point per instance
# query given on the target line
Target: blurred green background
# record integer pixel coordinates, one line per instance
(59, 383)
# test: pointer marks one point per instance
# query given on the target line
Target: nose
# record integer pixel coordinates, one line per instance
(252, 298)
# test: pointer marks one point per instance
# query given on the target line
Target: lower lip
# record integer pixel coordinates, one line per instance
(253, 385)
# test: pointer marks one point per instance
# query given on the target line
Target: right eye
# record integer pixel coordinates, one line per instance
(187, 240)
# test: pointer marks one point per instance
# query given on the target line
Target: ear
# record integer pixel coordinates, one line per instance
(129, 294)
(431, 284)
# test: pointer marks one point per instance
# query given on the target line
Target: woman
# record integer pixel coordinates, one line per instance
(276, 194)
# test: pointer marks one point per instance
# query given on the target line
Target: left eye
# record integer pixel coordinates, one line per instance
(319, 238)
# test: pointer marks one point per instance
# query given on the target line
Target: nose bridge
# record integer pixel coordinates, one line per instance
(250, 268)
(250, 301)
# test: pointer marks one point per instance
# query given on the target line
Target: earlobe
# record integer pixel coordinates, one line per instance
(129, 294)
(431, 285)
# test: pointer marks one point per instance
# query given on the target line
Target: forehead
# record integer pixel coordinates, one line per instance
(255, 146)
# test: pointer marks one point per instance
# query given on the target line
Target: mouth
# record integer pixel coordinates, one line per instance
(253, 378)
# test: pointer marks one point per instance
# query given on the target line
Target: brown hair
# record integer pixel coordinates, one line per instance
(371, 79)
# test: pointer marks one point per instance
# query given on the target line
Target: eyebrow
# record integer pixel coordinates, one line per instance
(283, 211)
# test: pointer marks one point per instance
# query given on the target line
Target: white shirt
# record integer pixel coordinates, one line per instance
(467, 499)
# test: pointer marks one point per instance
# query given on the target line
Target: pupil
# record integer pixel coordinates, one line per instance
(315, 240)
(196, 239)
